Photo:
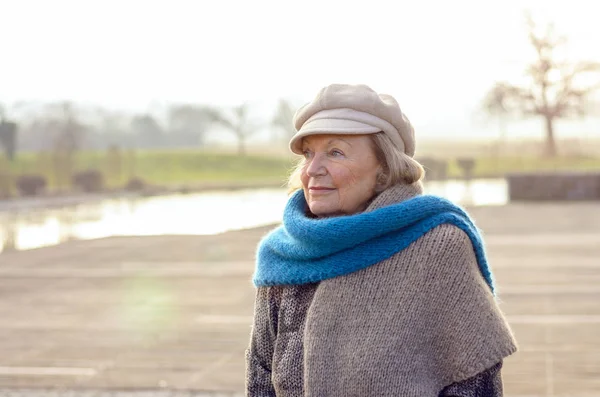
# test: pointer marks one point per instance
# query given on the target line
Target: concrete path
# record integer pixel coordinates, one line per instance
(172, 314)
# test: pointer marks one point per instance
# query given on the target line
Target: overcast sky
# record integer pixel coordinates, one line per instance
(437, 57)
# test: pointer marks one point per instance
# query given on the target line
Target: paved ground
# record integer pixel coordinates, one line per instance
(111, 393)
(170, 315)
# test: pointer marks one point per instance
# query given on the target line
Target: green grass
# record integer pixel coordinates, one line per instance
(176, 167)
(191, 167)
(160, 167)
(498, 167)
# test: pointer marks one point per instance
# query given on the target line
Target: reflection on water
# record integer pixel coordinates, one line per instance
(196, 214)
(477, 192)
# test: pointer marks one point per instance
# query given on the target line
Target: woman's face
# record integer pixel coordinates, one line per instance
(340, 173)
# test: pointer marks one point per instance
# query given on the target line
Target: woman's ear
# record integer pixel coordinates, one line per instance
(381, 180)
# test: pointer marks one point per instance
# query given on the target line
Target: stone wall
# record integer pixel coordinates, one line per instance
(555, 186)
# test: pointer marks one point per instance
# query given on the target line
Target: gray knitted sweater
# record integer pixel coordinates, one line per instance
(411, 325)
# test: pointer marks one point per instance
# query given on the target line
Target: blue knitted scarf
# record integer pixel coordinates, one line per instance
(304, 250)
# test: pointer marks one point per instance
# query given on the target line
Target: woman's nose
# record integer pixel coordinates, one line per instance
(316, 166)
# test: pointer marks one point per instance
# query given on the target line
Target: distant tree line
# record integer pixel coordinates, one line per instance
(67, 126)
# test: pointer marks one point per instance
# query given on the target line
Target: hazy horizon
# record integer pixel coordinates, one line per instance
(438, 59)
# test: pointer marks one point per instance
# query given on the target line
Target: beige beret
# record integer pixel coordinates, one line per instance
(353, 110)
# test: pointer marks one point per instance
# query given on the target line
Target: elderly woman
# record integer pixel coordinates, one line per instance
(370, 287)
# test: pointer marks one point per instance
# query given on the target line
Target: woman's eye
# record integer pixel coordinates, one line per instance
(306, 153)
(336, 153)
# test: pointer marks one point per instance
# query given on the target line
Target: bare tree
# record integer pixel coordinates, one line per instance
(496, 104)
(112, 128)
(148, 130)
(8, 134)
(23, 114)
(237, 121)
(188, 123)
(556, 89)
(61, 125)
(284, 118)
(71, 132)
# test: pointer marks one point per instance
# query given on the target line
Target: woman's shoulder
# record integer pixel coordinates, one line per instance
(447, 237)
(448, 252)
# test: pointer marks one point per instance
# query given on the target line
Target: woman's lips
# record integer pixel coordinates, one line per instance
(320, 190)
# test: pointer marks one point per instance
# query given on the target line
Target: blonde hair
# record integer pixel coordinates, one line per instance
(397, 166)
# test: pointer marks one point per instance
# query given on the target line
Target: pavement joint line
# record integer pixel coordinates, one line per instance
(218, 364)
(556, 348)
(165, 392)
(47, 371)
(511, 264)
(553, 395)
(143, 265)
(554, 319)
(219, 319)
(85, 392)
(536, 239)
(549, 289)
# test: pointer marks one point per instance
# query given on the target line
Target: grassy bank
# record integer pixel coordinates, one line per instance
(154, 167)
(179, 167)
(500, 166)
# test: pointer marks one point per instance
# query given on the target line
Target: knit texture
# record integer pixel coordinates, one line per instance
(281, 314)
(410, 325)
(305, 250)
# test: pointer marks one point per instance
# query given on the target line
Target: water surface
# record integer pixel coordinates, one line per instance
(188, 214)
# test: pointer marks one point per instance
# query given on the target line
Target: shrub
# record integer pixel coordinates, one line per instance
(89, 181)
(31, 185)
(467, 166)
(135, 185)
(5, 184)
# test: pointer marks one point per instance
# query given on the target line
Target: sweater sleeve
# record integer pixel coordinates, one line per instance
(259, 355)
(485, 384)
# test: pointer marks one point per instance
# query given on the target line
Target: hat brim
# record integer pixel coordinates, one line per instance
(330, 126)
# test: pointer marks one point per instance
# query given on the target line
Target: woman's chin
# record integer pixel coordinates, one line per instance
(320, 209)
